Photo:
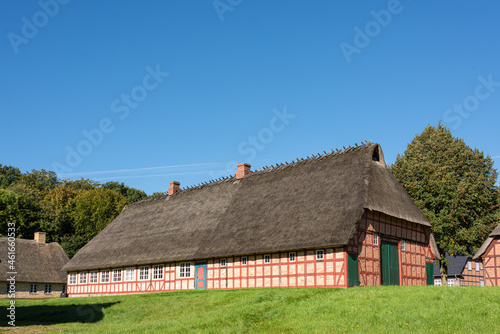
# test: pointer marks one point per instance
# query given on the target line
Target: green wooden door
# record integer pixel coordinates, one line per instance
(389, 254)
(353, 270)
(430, 273)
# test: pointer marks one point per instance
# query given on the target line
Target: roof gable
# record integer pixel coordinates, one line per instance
(494, 234)
(311, 203)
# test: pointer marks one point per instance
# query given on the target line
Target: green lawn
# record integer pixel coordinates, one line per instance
(362, 310)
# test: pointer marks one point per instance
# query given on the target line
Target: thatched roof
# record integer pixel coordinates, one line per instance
(313, 202)
(496, 232)
(487, 242)
(35, 263)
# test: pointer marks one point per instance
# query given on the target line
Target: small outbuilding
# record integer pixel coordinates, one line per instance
(337, 219)
(462, 271)
(489, 255)
(32, 268)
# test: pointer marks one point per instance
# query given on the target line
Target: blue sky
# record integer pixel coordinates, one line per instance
(146, 92)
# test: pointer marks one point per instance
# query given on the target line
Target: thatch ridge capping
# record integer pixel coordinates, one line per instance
(262, 170)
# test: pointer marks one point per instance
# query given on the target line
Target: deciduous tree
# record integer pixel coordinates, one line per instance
(453, 185)
(95, 209)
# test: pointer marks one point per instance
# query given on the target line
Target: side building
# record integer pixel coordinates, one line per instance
(462, 271)
(489, 255)
(37, 269)
(334, 220)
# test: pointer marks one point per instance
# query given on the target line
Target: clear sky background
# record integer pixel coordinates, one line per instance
(335, 72)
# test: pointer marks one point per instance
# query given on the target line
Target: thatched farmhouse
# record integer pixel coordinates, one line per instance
(334, 220)
(37, 269)
(489, 254)
(462, 271)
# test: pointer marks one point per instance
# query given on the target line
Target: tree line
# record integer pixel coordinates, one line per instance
(71, 212)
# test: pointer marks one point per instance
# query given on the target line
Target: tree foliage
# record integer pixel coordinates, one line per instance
(23, 208)
(8, 175)
(71, 212)
(40, 180)
(131, 194)
(95, 209)
(453, 185)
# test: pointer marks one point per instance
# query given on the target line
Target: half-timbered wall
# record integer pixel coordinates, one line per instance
(305, 271)
(413, 244)
(473, 274)
(491, 263)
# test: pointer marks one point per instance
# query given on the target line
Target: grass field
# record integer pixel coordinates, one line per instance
(357, 310)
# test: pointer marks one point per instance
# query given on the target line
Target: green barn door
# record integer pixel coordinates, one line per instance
(353, 270)
(430, 273)
(389, 263)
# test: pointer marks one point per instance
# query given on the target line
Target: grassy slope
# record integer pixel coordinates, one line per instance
(367, 310)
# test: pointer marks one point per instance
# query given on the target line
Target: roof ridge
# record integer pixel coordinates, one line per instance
(262, 170)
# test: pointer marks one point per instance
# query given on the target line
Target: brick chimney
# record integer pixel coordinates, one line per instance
(40, 238)
(174, 187)
(243, 170)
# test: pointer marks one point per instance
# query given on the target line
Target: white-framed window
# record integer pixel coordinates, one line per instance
(72, 278)
(83, 278)
(158, 272)
(320, 255)
(481, 265)
(48, 288)
(291, 256)
(451, 282)
(143, 273)
(481, 283)
(437, 282)
(185, 270)
(33, 288)
(105, 276)
(477, 266)
(93, 277)
(403, 245)
(129, 274)
(117, 275)
(63, 290)
(469, 265)
(267, 258)
(375, 239)
(244, 261)
(223, 263)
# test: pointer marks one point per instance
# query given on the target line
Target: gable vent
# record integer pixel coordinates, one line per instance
(378, 155)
